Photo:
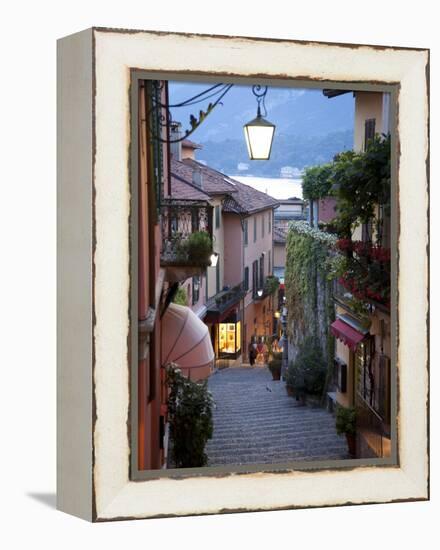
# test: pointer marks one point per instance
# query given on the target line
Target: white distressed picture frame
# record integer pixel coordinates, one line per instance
(94, 69)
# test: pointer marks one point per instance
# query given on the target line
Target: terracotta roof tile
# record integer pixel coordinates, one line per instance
(180, 189)
(251, 200)
(213, 182)
(242, 199)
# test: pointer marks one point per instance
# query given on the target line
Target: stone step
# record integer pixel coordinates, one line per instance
(255, 421)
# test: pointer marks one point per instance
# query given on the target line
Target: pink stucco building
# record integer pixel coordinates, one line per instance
(231, 298)
(326, 209)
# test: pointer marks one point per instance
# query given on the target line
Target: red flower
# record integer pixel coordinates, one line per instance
(344, 244)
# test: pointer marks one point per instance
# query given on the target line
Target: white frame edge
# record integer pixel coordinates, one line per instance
(115, 53)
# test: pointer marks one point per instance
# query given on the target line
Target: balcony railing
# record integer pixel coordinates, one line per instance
(225, 299)
(344, 297)
(186, 227)
(361, 310)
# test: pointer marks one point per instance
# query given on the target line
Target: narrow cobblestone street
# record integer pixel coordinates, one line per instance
(255, 421)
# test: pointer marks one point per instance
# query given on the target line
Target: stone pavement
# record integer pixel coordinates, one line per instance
(256, 422)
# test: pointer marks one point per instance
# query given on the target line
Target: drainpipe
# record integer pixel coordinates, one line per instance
(310, 213)
(315, 213)
(285, 358)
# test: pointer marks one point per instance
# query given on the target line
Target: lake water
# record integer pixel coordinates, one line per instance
(279, 188)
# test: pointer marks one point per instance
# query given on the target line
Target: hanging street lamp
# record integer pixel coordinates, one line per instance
(259, 132)
(214, 259)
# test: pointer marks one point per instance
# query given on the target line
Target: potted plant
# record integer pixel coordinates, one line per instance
(306, 375)
(346, 424)
(275, 368)
(190, 407)
(199, 247)
(272, 284)
(277, 355)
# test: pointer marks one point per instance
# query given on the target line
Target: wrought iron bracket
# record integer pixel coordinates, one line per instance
(161, 112)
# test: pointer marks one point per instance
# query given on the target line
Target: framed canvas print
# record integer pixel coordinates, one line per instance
(242, 273)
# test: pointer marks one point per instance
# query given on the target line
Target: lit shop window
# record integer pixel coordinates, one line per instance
(229, 339)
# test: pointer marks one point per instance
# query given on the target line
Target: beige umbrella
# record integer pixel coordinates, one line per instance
(186, 342)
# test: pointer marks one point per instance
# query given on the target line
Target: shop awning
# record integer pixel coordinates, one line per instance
(186, 340)
(347, 334)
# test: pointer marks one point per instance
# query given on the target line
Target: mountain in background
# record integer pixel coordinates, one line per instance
(288, 153)
(310, 128)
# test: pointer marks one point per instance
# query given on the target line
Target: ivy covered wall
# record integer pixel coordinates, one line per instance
(308, 283)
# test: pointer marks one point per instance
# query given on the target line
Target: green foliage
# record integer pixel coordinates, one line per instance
(199, 246)
(190, 417)
(309, 294)
(307, 265)
(358, 180)
(307, 374)
(328, 227)
(345, 420)
(180, 297)
(337, 265)
(272, 284)
(361, 181)
(317, 181)
(196, 249)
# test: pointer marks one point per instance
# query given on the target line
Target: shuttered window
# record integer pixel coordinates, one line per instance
(217, 276)
(254, 277)
(370, 130)
(384, 397)
(195, 289)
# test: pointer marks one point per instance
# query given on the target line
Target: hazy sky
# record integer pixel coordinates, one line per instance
(294, 111)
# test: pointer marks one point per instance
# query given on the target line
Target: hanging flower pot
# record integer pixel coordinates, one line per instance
(275, 369)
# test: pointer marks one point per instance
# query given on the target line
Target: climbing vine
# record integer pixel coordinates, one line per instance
(361, 183)
(308, 266)
(317, 182)
(358, 180)
(181, 297)
(308, 283)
